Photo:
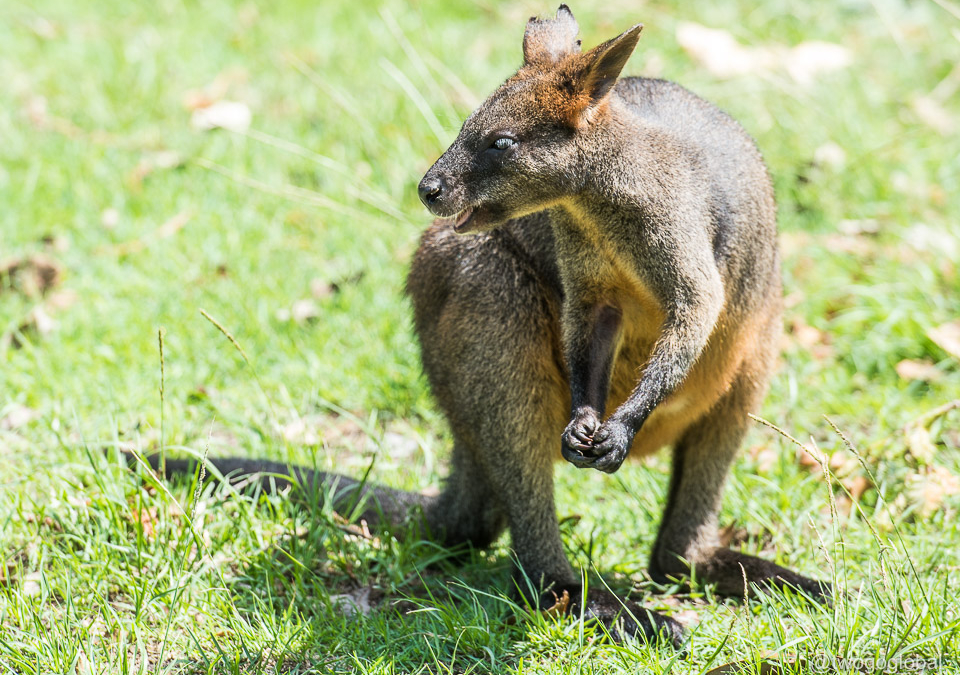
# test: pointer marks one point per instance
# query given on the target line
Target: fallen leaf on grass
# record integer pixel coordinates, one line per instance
(947, 337)
(31, 584)
(918, 438)
(146, 518)
(857, 486)
(920, 444)
(216, 90)
(37, 324)
(17, 416)
(229, 115)
(810, 338)
(830, 154)
(932, 113)
(169, 228)
(765, 457)
(721, 54)
(321, 289)
(63, 299)
(927, 489)
(110, 218)
(301, 312)
(807, 60)
(32, 276)
(43, 28)
(688, 618)
(357, 602)
(560, 607)
(918, 370)
(153, 161)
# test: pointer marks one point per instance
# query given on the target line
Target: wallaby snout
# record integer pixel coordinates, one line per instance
(430, 190)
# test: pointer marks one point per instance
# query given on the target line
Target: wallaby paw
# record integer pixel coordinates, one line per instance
(623, 619)
(604, 449)
(577, 439)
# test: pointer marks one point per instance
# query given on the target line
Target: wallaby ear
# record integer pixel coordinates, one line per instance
(604, 63)
(547, 41)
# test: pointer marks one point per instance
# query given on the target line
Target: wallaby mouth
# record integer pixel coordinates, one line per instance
(462, 222)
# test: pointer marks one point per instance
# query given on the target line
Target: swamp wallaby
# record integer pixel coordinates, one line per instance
(623, 257)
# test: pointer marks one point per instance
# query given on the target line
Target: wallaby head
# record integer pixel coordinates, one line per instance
(523, 150)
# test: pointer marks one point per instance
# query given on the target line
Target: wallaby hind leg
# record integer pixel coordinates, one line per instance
(515, 444)
(688, 535)
(466, 511)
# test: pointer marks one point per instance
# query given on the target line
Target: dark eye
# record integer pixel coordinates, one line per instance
(503, 143)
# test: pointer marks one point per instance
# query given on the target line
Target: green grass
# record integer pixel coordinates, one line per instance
(212, 581)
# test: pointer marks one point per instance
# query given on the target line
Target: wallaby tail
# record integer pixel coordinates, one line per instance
(379, 506)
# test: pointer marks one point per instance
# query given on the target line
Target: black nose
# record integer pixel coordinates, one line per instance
(430, 190)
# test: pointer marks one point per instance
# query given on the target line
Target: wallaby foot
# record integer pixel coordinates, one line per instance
(729, 569)
(622, 619)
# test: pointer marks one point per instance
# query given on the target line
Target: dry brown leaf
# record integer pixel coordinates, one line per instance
(765, 457)
(807, 60)
(62, 299)
(301, 311)
(857, 486)
(215, 91)
(32, 276)
(843, 463)
(147, 519)
(110, 218)
(38, 323)
(31, 584)
(932, 113)
(167, 229)
(925, 371)
(229, 115)
(919, 443)
(927, 489)
(720, 53)
(806, 335)
(688, 618)
(809, 460)
(732, 535)
(810, 338)
(321, 289)
(17, 416)
(560, 607)
(830, 154)
(356, 602)
(153, 161)
(947, 337)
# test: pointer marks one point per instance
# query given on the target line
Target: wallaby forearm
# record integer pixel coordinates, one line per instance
(673, 356)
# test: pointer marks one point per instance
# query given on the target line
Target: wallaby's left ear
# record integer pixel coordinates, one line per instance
(547, 41)
(604, 63)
